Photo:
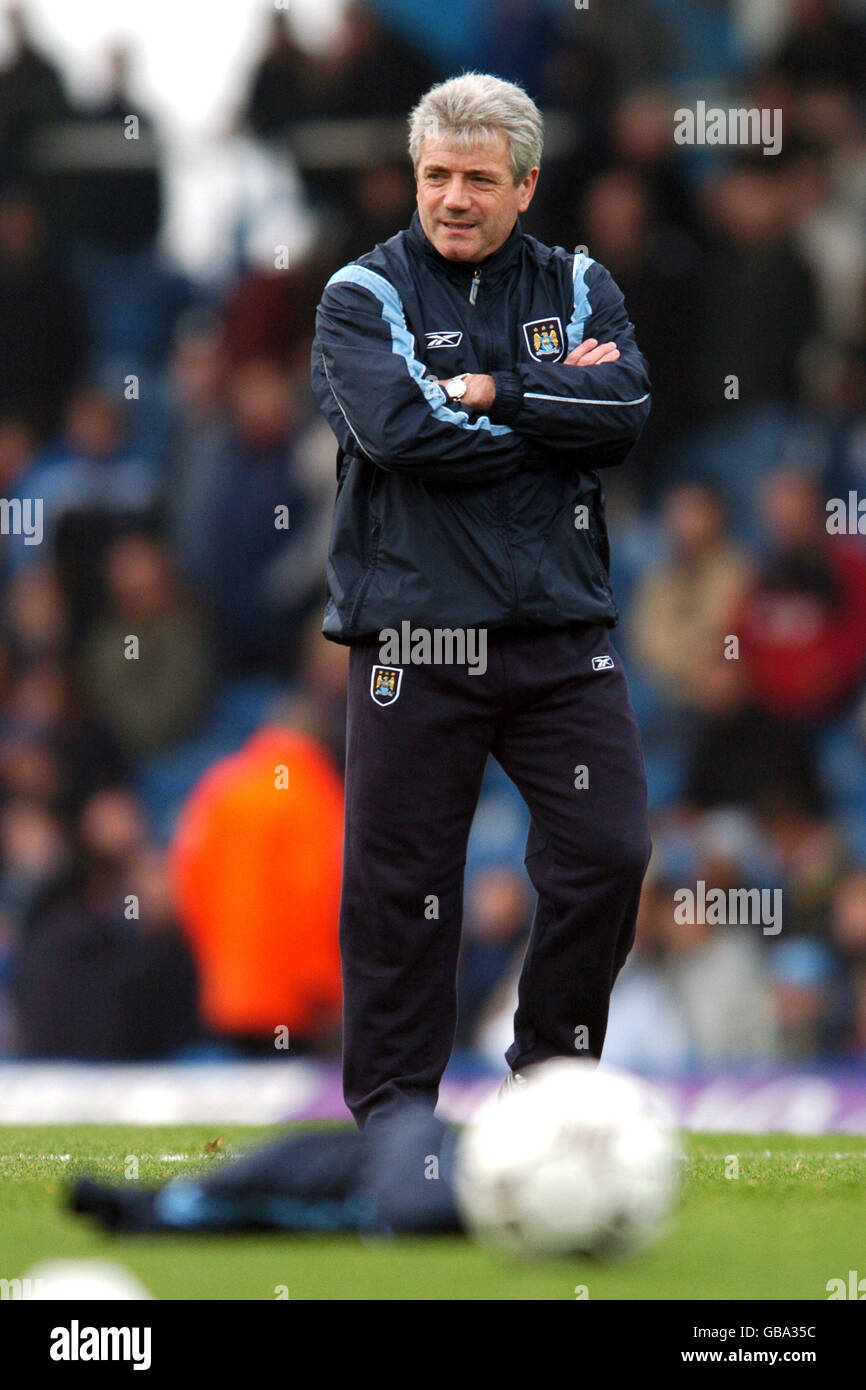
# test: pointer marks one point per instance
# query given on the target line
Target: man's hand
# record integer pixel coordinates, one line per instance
(591, 353)
(480, 392)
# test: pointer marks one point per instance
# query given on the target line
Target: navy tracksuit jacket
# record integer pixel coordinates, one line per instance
(446, 519)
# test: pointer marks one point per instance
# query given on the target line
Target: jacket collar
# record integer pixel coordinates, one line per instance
(464, 270)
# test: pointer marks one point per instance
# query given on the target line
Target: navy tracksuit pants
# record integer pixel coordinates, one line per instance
(553, 709)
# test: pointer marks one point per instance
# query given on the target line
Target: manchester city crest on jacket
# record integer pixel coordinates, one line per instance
(544, 339)
(385, 684)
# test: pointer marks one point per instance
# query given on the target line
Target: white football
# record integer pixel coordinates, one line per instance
(574, 1160)
(82, 1279)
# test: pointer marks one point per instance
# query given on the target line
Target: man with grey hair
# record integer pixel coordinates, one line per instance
(476, 380)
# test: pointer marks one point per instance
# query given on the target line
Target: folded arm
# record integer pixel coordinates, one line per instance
(378, 399)
(597, 401)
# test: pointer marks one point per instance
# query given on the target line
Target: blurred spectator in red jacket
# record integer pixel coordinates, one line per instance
(802, 628)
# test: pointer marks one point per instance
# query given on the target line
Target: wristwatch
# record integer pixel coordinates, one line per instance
(455, 389)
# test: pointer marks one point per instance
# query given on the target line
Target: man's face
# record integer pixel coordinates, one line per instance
(468, 201)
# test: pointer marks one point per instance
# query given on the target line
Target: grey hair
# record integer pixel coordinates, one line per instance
(472, 108)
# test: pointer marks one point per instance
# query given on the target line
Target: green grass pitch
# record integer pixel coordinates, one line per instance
(794, 1218)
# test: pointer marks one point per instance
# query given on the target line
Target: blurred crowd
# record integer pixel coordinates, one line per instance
(171, 720)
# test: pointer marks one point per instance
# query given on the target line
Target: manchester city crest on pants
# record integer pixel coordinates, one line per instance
(385, 684)
(544, 339)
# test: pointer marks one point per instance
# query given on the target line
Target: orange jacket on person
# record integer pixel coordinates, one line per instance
(257, 860)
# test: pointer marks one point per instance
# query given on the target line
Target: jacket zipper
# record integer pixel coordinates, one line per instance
(503, 510)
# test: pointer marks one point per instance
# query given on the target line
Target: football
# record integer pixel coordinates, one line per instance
(573, 1160)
